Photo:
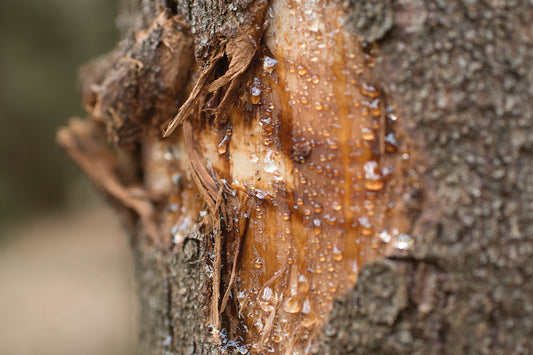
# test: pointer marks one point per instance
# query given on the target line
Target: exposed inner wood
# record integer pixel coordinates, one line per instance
(304, 160)
(287, 152)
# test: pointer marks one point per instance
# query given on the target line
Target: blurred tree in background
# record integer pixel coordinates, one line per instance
(42, 45)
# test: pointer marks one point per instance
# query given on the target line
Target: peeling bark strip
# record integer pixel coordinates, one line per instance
(144, 86)
(239, 50)
(82, 141)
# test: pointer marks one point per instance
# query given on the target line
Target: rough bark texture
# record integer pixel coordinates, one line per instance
(459, 74)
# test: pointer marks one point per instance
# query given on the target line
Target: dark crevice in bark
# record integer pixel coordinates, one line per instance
(170, 321)
(172, 6)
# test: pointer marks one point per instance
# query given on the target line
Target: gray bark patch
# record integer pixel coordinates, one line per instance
(370, 19)
(382, 292)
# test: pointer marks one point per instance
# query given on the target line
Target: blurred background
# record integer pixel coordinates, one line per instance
(66, 276)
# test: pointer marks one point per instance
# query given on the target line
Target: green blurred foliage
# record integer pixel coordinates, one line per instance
(42, 46)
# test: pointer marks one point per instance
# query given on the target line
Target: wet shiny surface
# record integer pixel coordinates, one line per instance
(306, 160)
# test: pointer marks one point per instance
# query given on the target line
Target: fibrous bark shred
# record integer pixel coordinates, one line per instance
(240, 51)
(82, 141)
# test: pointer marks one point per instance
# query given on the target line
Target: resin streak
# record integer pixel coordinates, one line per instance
(306, 160)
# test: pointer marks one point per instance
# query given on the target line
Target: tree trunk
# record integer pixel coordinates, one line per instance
(335, 177)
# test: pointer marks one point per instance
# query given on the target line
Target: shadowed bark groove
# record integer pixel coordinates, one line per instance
(313, 145)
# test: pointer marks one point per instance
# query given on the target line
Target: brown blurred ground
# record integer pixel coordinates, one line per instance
(66, 287)
(65, 278)
(42, 46)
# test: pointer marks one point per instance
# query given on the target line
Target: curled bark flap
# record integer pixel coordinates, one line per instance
(240, 52)
(95, 158)
(186, 109)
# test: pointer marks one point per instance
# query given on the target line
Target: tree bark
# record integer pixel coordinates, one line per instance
(420, 116)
